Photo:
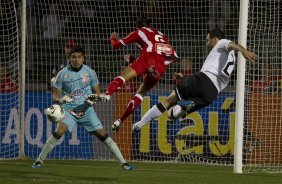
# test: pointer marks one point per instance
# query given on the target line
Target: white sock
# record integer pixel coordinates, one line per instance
(47, 148)
(110, 143)
(152, 113)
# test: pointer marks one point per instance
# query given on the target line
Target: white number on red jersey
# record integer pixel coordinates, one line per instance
(159, 38)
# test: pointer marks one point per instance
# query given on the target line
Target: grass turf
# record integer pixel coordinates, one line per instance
(104, 172)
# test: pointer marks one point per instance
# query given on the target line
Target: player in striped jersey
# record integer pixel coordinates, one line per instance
(156, 54)
(201, 89)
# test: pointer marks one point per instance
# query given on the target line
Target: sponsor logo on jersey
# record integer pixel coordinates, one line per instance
(85, 78)
(163, 48)
(77, 93)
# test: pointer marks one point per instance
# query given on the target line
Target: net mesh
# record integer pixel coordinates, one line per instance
(90, 24)
(206, 136)
(263, 119)
(9, 80)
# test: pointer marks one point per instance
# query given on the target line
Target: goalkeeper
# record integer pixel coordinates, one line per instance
(73, 85)
(202, 88)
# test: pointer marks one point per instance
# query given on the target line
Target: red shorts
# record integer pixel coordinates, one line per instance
(150, 64)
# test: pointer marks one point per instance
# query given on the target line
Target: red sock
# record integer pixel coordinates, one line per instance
(131, 106)
(115, 85)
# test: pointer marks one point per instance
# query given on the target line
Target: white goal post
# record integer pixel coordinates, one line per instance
(240, 88)
(34, 34)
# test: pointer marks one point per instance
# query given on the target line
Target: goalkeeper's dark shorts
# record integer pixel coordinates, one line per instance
(197, 88)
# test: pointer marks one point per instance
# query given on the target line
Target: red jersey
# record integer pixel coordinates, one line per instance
(150, 41)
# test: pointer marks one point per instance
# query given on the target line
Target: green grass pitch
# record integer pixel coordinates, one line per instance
(104, 172)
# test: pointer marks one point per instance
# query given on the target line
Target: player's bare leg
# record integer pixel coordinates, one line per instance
(132, 105)
(171, 100)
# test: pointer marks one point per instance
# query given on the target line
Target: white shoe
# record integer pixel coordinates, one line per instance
(116, 125)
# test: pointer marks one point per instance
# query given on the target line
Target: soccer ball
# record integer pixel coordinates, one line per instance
(176, 112)
(55, 113)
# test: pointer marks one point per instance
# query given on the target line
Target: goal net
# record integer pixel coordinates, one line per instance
(263, 118)
(205, 136)
(9, 81)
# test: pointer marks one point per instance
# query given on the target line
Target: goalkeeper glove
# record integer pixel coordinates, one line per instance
(65, 99)
(93, 98)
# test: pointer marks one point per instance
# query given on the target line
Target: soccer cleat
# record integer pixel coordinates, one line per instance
(37, 164)
(127, 167)
(135, 128)
(116, 125)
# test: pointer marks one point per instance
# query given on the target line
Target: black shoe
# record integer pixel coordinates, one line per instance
(37, 165)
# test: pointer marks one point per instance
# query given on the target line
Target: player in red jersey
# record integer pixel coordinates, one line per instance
(156, 54)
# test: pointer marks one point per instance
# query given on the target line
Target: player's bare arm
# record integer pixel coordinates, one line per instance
(56, 95)
(57, 99)
(96, 89)
(247, 54)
